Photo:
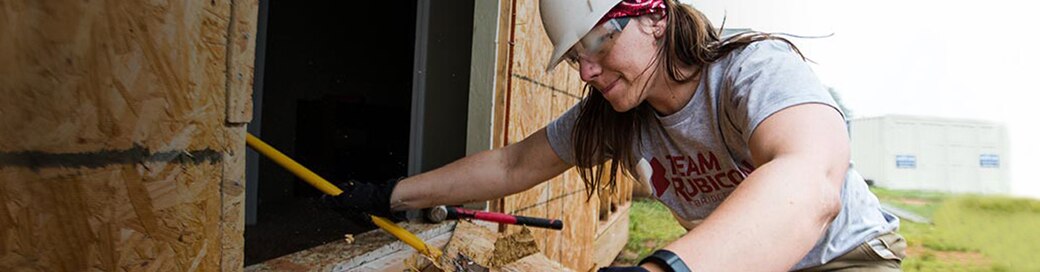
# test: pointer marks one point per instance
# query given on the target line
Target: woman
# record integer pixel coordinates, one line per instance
(737, 137)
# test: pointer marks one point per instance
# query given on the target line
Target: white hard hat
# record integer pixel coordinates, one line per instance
(567, 21)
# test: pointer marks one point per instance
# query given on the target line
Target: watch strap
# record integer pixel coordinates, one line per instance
(667, 260)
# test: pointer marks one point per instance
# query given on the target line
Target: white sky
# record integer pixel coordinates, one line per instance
(961, 59)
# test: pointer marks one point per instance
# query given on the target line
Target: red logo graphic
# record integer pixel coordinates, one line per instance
(657, 177)
(690, 176)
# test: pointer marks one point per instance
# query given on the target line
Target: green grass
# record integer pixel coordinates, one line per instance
(920, 202)
(1005, 230)
(651, 226)
(968, 232)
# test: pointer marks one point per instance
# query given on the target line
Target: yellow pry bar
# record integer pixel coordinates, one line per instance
(326, 187)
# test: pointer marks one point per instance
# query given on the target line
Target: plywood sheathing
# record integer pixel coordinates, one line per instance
(533, 98)
(232, 199)
(112, 218)
(241, 55)
(241, 48)
(115, 154)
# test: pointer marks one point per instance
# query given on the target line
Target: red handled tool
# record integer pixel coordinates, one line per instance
(457, 213)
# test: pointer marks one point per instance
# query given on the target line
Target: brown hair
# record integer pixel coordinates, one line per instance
(600, 133)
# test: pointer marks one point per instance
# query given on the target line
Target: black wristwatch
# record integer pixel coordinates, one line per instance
(667, 260)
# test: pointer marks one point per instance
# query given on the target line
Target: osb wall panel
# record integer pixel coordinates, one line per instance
(115, 218)
(576, 249)
(114, 152)
(534, 98)
(241, 49)
(232, 187)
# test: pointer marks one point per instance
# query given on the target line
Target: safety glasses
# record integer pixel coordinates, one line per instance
(596, 42)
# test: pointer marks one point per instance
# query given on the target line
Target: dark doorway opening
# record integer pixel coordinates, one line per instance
(352, 92)
(337, 92)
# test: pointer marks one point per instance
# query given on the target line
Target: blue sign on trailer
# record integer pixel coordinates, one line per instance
(906, 161)
(989, 161)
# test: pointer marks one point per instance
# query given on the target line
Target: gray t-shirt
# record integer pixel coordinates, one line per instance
(693, 159)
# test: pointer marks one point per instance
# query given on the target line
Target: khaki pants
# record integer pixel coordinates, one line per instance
(884, 253)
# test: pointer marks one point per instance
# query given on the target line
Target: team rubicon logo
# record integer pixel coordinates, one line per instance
(690, 176)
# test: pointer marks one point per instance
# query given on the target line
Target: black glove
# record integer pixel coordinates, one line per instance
(623, 269)
(364, 198)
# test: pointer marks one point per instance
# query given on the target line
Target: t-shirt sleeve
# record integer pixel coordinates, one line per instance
(764, 78)
(559, 132)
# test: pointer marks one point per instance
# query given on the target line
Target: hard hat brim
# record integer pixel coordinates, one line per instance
(565, 43)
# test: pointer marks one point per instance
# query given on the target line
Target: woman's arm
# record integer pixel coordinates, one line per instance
(482, 176)
(778, 213)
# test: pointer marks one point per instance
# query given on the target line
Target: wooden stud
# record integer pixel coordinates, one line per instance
(611, 240)
(241, 48)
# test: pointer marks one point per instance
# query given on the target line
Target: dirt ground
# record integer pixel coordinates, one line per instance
(955, 258)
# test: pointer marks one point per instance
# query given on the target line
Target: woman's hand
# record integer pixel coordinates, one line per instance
(364, 198)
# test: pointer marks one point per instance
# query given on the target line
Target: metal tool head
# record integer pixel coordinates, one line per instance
(437, 214)
(465, 263)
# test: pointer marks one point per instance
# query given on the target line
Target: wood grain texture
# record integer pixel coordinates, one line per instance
(534, 262)
(375, 249)
(534, 97)
(612, 238)
(115, 153)
(475, 241)
(232, 199)
(503, 79)
(579, 231)
(240, 58)
(241, 55)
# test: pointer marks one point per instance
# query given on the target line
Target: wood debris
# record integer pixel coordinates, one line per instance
(476, 248)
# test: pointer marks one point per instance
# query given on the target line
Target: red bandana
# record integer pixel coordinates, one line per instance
(632, 8)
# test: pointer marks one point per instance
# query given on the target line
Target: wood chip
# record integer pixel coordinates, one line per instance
(513, 247)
